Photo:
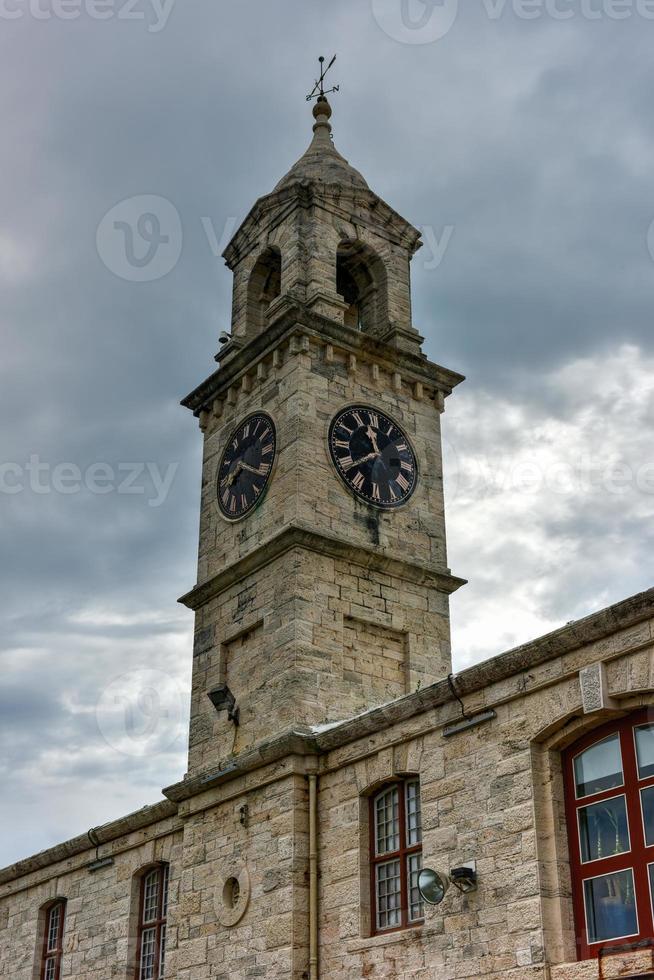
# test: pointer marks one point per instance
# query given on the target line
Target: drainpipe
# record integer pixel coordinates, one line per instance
(313, 876)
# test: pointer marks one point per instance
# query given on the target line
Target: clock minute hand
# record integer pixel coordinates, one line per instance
(370, 432)
(251, 469)
(364, 459)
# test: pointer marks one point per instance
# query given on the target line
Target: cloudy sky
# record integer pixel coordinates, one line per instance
(517, 135)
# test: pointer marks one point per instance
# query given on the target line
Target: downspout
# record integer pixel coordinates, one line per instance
(313, 876)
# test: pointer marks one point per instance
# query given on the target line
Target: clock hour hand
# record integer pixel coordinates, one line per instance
(233, 476)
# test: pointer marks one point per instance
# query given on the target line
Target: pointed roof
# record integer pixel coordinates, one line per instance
(322, 161)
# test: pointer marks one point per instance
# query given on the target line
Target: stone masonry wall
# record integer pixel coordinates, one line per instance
(492, 794)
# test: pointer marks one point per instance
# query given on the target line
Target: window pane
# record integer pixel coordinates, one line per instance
(645, 750)
(610, 906)
(389, 895)
(151, 896)
(603, 829)
(162, 952)
(164, 904)
(413, 816)
(647, 796)
(387, 820)
(651, 882)
(414, 867)
(148, 945)
(599, 768)
(50, 972)
(53, 927)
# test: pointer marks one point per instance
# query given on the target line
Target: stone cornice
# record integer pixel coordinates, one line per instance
(294, 318)
(299, 536)
(344, 201)
(77, 845)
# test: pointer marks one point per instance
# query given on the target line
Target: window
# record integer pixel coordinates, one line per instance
(610, 808)
(396, 856)
(53, 940)
(153, 907)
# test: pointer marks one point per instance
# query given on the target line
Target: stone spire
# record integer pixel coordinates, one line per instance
(322, 161)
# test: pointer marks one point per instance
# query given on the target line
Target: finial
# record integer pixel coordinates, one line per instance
(318, 90)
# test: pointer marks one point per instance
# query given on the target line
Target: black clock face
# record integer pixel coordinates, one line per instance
(373, 456)
(246, 466)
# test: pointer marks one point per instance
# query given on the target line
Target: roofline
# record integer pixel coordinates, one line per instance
(628, 612)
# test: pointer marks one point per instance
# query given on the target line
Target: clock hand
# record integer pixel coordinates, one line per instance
(251, 469)
(373, 438)
(364, 459)
(234, 474)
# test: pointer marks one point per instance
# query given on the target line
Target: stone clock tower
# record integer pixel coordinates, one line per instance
(323, 585)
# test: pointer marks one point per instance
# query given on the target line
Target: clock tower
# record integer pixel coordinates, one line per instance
(323, 585)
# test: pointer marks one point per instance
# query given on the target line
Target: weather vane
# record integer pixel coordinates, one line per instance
(318, 90)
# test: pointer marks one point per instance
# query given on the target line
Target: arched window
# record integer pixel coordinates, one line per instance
(264, 286)
(53, 940)
(153, 909)
(610, 808)
(361, 281)
(396, 856)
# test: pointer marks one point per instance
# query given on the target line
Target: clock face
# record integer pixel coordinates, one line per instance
(373, 456)
(246, 466)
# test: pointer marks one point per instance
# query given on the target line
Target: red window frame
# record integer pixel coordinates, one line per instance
(637, 858)
(158, 923)
(400, 855)
(55, 953)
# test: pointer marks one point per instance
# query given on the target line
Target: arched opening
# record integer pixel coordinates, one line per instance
(361, 282)
(264, 286)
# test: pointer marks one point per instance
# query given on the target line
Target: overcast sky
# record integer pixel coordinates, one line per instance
(518, 136)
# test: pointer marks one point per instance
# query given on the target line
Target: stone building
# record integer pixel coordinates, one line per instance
(332, 753)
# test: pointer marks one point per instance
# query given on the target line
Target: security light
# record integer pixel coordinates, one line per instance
(223, 700)
(433, 885)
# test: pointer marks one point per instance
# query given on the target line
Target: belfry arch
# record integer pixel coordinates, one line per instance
(362, 282)
(264, 285)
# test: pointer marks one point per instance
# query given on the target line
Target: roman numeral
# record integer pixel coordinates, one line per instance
(257, 423)
(342, 425)
(375, 492)
(374, 419)
(266, 451)
(393, 497)
(246, 430)
(402, 482)
(244, 501)
(407, 466)
(358, 481)
(225, 498)
(346, 462)
(341, 444)
(232, 506)
(264, 469)
(357, 418)
(257, 490)
(401, 447)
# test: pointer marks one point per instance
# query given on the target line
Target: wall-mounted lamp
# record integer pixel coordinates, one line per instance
(223, 700)
(433, 885)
